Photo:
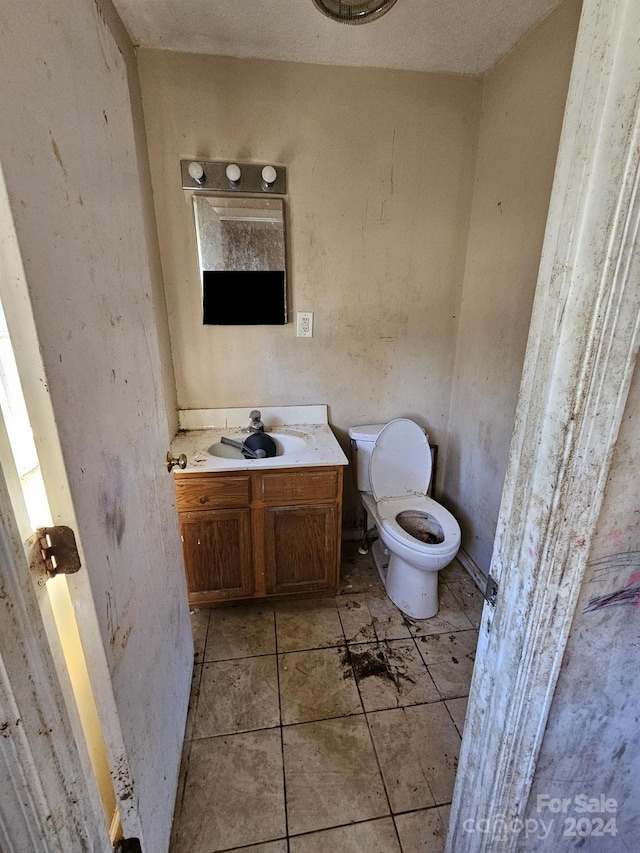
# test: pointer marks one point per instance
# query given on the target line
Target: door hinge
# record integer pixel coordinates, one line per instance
(491, 591)
(127, 845)
(53, 551)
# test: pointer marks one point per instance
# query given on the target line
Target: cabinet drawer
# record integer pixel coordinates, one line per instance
(310, 487)
(212, 493)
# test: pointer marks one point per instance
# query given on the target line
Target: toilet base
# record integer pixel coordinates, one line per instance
(414, 591)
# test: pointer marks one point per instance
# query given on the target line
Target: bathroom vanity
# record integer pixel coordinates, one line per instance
(255, 528)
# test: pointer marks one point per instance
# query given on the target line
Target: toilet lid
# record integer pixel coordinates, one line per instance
(400, 461)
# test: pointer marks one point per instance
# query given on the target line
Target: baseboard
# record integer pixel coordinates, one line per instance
(473, 570)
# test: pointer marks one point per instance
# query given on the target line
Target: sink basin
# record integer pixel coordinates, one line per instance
(287, 444)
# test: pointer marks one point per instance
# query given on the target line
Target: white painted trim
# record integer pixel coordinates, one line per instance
(578, 367)
(40, 766)
(24, 338)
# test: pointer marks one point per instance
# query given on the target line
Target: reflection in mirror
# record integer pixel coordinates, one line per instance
(241, 252)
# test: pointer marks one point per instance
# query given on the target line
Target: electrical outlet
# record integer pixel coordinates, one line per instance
(304, 328)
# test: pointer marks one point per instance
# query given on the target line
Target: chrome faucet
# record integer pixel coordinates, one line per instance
(256, 424)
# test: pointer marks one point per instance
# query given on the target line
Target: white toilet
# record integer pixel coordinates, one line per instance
(417, 536)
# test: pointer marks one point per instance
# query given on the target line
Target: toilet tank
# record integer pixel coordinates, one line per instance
(363, 439)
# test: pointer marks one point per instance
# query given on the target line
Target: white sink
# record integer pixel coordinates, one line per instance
(287, 444)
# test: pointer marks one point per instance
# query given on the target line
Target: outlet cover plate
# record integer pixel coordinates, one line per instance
(304, 325)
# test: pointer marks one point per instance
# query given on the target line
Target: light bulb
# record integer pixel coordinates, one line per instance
(233, 173)
(196, 171)
(269, 175)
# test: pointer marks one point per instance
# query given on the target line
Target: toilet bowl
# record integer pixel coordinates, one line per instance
(418, 535)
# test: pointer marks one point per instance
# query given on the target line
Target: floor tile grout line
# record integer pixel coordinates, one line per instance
(337, 645)
(240, 732)
(460, 605)
(403, 709)
(427, 809)
(299, 835)
(442, 698)
(426, 666)
(177, 810)
(281, 727)
(196, 686)
(375, 751)
(241, 657)
(343, 826)
(255, 728)
(206, 633)
(323, 719)
(455, 725)
(252, 846)
(348, 716)
(436, 663)
(188, 742)
(452, 720)
(330, 719)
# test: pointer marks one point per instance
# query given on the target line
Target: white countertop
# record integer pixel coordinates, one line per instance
(320, 448)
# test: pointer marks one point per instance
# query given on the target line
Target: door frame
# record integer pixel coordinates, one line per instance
(15, 296)
(50, 799)
(580, 359)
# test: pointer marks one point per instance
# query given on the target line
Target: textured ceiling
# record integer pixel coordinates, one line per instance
(456, 36)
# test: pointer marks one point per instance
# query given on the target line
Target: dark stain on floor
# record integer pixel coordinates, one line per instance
(373, 662)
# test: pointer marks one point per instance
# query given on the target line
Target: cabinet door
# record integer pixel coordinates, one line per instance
(301, 548)
(217, 554)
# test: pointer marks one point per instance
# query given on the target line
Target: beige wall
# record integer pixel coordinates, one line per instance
(380, 169)
(522, 108)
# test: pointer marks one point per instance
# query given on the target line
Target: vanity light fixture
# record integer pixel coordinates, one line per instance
(353, 11)
(196, 172)
(269, 175)
(223, 177)
(233, 172)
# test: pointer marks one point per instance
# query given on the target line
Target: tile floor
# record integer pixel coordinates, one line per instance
(327, 724)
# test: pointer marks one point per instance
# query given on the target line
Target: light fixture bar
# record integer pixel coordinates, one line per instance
(222, 176)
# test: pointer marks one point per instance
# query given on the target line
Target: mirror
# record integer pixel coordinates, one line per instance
(241, 253)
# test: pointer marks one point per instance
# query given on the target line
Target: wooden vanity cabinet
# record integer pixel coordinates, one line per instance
(260, 533)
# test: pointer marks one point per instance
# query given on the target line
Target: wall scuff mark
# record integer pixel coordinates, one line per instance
(629, 593)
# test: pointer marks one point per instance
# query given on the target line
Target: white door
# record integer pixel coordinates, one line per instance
(80, 290)
(48, 797)
(129, 599)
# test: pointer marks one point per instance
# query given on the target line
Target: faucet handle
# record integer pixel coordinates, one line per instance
(256, 424)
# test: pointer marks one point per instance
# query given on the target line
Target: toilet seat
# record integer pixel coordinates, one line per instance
(389, 510)
(400, 471)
